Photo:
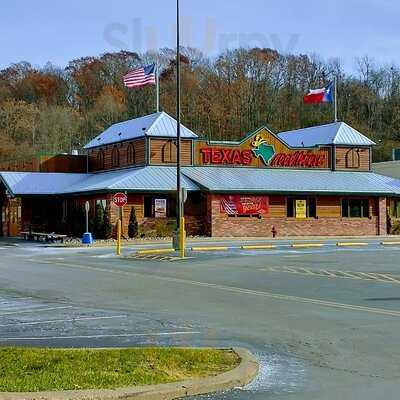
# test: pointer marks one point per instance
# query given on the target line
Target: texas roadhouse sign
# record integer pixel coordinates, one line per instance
(260, 147)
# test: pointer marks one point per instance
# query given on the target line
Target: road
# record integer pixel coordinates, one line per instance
(324, 323)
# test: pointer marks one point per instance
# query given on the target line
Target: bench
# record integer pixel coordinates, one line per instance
(48, 237)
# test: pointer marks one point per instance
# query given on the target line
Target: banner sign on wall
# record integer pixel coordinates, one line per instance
(301, 208)
(244, 205)
(160, 208)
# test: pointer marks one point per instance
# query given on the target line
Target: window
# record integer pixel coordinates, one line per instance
(169, 151)
(355, 208)
(130, 154)
(394, 208)
(310, 207)
(100, 159)
(353, 158)
(115, 157)
(149, 206)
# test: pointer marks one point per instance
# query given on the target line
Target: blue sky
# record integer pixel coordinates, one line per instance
(58, 31)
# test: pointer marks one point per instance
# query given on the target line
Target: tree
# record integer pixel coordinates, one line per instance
(133, 224)
(98, 224)
(107, 227)
(51, 109)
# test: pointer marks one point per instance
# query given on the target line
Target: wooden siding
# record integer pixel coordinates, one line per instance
(362, 164)
(139, 146)
(279, 147)
(163, 151)
(277, 206)
(58, 163)
(329, 207)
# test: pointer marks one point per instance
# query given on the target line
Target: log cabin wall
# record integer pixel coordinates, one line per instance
(163, 151)
(57, 163)
(354, 158)
(118, 155)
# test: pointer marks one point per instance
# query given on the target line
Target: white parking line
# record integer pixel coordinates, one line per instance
(101, 336)
(53, 321)
(14, 299)
(33, 310)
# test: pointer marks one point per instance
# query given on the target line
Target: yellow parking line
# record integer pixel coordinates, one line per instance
(390, 243)
(348, 244)
(305, 245)
(258, 247)
(155, 251)
(210, 248)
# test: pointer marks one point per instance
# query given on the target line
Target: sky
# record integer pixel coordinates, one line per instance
(44, 31)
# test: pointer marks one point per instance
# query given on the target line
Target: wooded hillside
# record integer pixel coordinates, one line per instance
(50, 109)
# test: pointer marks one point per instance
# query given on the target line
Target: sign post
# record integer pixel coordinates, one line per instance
(87, 236)
(119, 200)
(87, 208)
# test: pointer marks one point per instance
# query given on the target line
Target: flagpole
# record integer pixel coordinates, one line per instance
(180, 222)
(157, 88)
(335, 106)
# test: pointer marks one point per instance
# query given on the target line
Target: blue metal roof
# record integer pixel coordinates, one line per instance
(155, 125)
(338, 133)
(150, 179)
(218, 179)
(213, 179)
(39, 183)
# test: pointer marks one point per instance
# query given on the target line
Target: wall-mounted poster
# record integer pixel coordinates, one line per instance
(160, 208)
(244, 205)
(301, 208)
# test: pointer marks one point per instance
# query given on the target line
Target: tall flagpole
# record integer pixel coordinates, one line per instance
(157, 88)
(335, 104)
(179, 206)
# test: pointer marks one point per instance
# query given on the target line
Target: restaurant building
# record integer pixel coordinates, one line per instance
(312, 181)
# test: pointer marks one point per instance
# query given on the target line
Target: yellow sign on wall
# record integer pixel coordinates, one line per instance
(301, 208)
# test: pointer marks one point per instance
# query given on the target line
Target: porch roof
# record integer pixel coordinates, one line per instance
(143, 179)
(213, 179)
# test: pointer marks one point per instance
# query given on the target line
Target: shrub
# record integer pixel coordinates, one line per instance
(133, 224)
(395, 230)
(107, 227)
(98, 223)
(163, 229)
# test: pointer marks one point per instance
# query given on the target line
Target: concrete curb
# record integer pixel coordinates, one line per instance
(294, 245)
(243, 374)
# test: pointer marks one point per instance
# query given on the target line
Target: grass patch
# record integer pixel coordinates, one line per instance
(39, 369)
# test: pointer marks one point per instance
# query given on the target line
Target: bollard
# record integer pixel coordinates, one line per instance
(182, 237)
(118, 249)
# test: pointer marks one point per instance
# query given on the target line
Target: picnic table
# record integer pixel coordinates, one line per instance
(48, 237)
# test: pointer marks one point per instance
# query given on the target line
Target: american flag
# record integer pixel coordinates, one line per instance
(141, 77)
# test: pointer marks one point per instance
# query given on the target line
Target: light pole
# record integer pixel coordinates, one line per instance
(180, 222)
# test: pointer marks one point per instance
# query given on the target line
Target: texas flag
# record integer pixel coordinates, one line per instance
(317, 96)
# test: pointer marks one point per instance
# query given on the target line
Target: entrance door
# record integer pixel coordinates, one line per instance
(14, 213)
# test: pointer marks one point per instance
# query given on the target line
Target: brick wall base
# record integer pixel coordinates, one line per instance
(253, 227)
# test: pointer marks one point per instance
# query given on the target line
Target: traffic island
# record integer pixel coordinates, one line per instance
(140, 373)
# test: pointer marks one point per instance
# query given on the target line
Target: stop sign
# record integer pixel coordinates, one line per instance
(120, 199)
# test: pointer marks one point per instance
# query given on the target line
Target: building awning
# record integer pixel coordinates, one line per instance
(217, 179)
(158, 179)
(143, 179)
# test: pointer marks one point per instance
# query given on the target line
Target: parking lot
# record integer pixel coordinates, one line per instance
(324, 322)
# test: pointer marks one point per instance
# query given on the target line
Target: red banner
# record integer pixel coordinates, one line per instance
(244, 205)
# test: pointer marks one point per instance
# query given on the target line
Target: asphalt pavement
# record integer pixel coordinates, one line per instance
(324, 322)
